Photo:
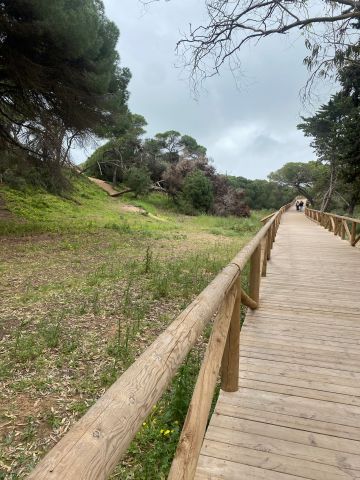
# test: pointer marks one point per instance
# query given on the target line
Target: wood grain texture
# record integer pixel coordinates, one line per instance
(187, 453)
(297, 411)
(255, 274)
(230, 357)
(248, 301)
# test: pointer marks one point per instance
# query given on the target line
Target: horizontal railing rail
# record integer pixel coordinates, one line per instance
(346, 228)
(267, 218)
(95, 444)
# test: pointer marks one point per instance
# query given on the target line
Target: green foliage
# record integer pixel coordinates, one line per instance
(112, 160)
(304, 178)
(75, 81)
(198, 191)
(138, 179)
(260, 194)
(61, 81)
(335, 133)
(173, 146)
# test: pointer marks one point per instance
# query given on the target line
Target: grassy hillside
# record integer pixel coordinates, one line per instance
(36, 211)
(88, 208)
(80, 303)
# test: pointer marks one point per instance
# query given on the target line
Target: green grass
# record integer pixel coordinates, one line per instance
(80, 305)
(37, 211)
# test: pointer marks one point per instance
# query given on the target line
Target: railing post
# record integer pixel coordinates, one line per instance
(231, 356)
(353, 234)
(255, 272)
(273, 233)
(186, 457)
(268, 244)
(343, 231)
(264, 256)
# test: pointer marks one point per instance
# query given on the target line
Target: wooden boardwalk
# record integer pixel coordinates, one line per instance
(297, 412)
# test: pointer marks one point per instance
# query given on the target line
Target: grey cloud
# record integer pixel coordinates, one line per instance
(250, 130)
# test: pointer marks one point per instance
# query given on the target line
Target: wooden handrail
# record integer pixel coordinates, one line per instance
(337, 224)
(94, 445)
(265, 219)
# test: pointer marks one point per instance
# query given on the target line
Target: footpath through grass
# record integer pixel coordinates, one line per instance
(81, 302)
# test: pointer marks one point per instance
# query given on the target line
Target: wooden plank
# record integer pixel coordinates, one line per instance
(301, 361)
(248, 411)
(295, 390)
(288, 447)
(340, 377)
(330, 412)
(305, 378)
(306, 346)
(210, 468)
(259, 427)
(274, 462)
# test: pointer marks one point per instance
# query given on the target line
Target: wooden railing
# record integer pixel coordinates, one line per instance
(95, 444)
(345, 227)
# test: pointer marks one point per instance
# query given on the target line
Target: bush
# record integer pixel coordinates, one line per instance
(198, 191)
(138, 179)
(13, 180)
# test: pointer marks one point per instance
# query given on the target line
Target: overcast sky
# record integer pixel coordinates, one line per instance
(249, 130)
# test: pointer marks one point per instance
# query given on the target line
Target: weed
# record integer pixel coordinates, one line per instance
(148, 259)
(26, 347)
(160, 285)
(70, 344)
(119, 227)
(109, 375)
(52, 419)
(79, 407)
(29, 431)
(5, 370)
(51, 333)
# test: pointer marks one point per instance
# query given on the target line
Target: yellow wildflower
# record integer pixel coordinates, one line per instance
(166, 432)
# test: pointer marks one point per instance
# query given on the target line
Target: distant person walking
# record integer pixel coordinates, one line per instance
(297, 205)
(301, 205)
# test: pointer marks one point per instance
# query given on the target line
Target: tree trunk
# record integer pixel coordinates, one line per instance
(305, 194)
(354, 200)
(330, 191)
(351, 208)
(114, 175)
